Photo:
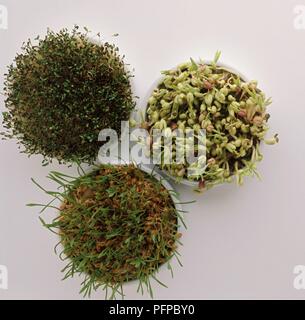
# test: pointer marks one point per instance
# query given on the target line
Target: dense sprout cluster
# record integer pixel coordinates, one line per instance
(116, 224)
(231, 111)
(62, 91)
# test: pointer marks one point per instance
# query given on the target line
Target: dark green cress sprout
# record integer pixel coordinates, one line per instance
(115, 224)
(61, 91)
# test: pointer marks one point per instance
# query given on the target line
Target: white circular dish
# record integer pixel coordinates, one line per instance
(184, 181)
(174, 196)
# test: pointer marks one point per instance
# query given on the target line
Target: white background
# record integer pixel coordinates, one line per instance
(241, 242)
